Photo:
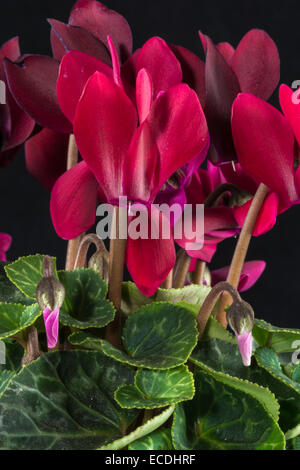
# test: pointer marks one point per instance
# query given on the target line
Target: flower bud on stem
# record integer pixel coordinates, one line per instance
(240, 317)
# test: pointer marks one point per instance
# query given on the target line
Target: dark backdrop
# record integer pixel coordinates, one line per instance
(25, 205)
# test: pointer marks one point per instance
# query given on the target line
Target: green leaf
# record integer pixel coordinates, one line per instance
(224, 360)
(15, 318)
(296, 374)
(9, 292)
(13, 356)
(5, 379)
(157, 388)
(132, 299)
(85, 340)
(279, 339)
(158, 336)
(294, 444)
(85, 304)
(147, 428)
(26, 273)
(215, 330)
(287, 391)
(157, 440)
(221, 417)
(65, 401)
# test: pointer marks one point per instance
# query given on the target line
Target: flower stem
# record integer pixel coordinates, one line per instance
(32, 346)
(198, 275)
(168, 282)
(116, 270)
(86, 242)
(214, 197)
(211, 301)
(73, 245)
(241, 249)
(181, 269)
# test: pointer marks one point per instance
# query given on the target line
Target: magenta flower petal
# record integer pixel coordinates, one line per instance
(33, 85)
(75, 70)
(256, 63)
(104, 125)
(101, 22)
(10, 50)
(290, 105)
(141, 169)
(193, 70)
(65, 38)
(264, 143)
(266, 218)
(227, 51)
(73, 202)
(244, 341)
(21, 124)
(178, 143)
(144, 94)
(5, 243)
(51, 320)
(252, 270)
(221, 89)
(46, 156)
(158, 59)
(158, 258)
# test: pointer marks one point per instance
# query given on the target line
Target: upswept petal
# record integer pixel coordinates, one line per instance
(157, 58)
(256, 63)
(73, 202)
(101, 22)
(5, 242)
(290, 105)
(141, 167)
(10, 50)
(264, 143)
(221, 89)
(251, 272)
(193, 70)
(65, 38)
(266, 218)
(46, 156)
(227, 51)
(33, 85)
(75, 70)
(104, 125)
(150, 261)
(177, 142)
(144, 94)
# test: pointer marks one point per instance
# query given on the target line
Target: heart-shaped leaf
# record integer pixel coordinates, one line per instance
(157, 388)
(65, 401)
(85, 304)
(221, 417)
(281, 340)
(224, 360)
(157, 440)
(9, 292)
(158, 336)
(13, 354)
(15, 318)
(26, 273)
(132, 299)
(5, 379)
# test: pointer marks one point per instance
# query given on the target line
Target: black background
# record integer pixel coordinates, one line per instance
(25, 205)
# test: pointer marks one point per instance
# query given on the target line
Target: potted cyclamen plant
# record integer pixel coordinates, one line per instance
(91, 361)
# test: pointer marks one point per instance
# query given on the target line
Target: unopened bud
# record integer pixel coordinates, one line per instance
(50, 295)
(240, 317)
(100, 263)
